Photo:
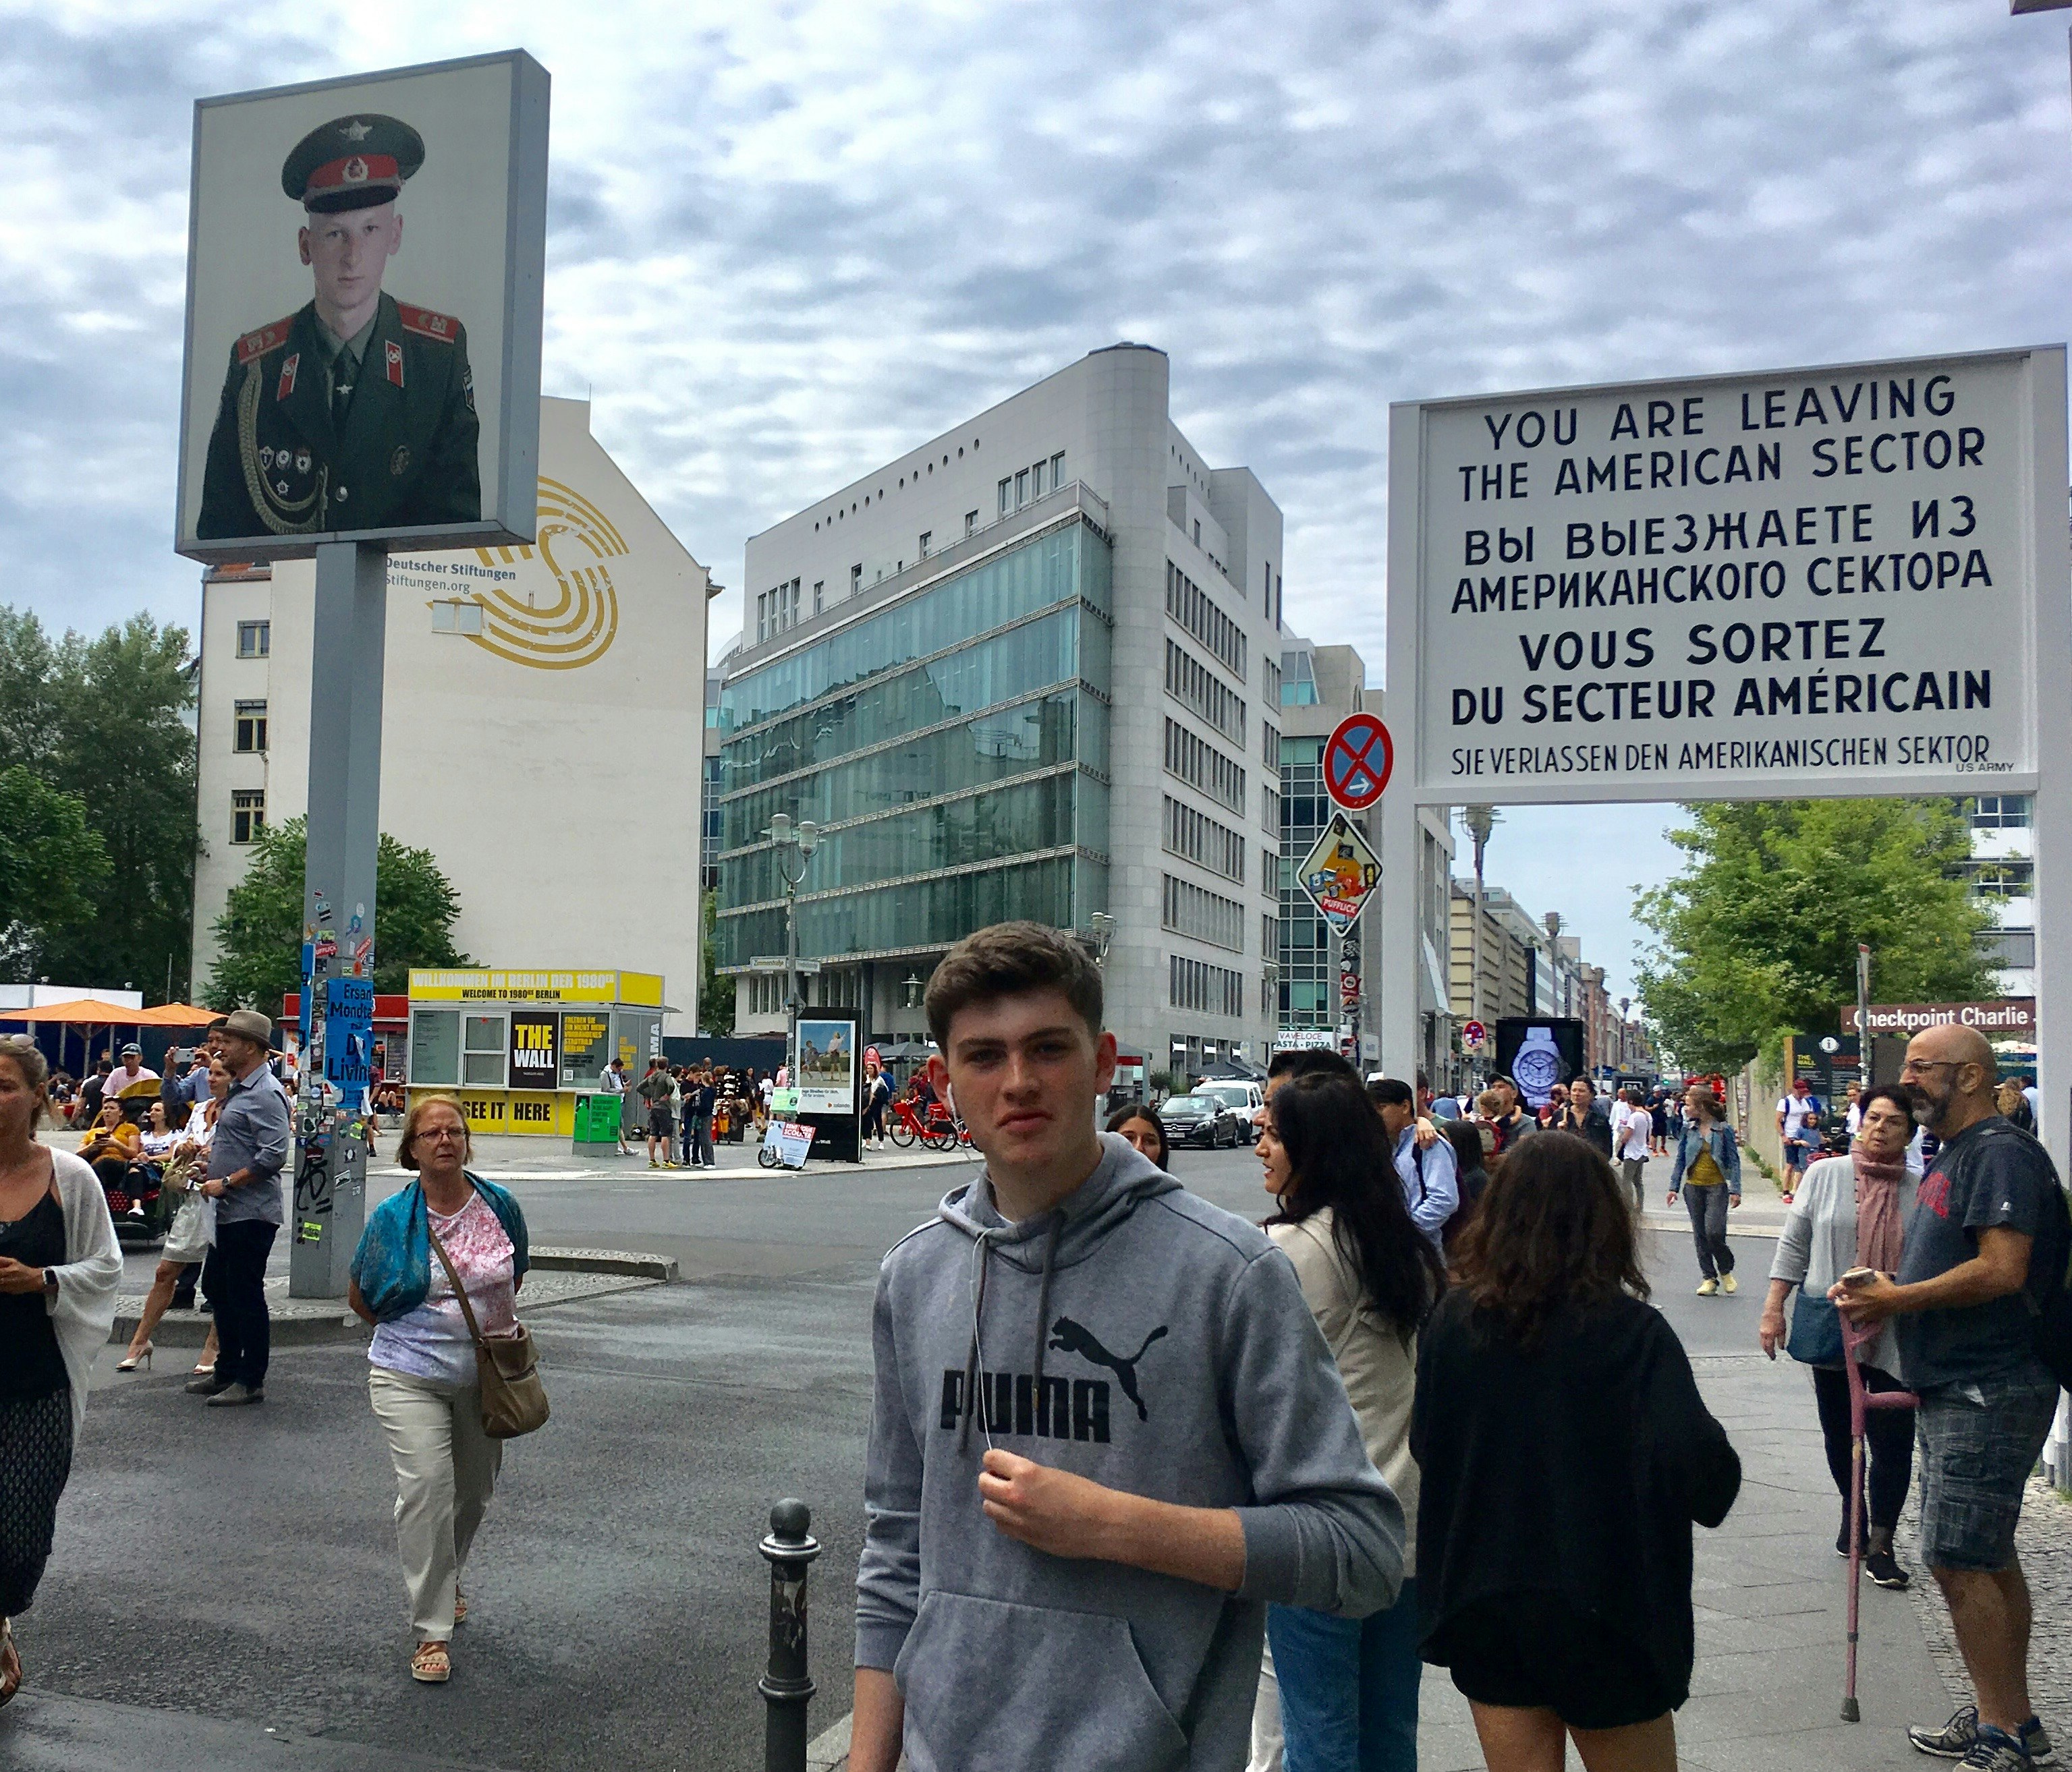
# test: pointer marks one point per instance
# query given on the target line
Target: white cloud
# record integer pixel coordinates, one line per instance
(788, 240)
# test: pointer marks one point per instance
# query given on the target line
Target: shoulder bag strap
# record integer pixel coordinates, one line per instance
(460, 1291)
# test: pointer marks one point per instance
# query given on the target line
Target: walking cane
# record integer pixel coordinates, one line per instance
(1860, 1401)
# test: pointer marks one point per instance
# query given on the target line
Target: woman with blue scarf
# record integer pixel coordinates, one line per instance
(423, 1384)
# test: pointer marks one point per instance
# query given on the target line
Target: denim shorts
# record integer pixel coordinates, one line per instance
(1978, 1443)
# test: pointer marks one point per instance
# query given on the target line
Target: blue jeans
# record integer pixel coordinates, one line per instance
(1348, 1687)
(1708, 1207)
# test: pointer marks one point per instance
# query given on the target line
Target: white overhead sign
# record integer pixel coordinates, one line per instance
(1812, 581)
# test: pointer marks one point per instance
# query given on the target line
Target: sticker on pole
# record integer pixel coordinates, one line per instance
(1473, 1035)
(1341, 873)
(1357, 761)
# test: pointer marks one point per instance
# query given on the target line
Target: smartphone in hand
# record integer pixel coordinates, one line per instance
(1860, 1276)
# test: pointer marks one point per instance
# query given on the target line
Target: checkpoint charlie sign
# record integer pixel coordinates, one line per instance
(1810, 581)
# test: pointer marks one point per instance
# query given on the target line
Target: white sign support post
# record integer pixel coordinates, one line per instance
(1814, 582)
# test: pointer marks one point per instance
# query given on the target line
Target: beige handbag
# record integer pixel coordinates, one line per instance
(514, 1401)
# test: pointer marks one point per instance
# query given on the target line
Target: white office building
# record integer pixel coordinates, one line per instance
(1027, 669)
(542, 725)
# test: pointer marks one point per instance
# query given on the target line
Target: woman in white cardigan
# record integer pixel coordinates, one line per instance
(1850, 1211)
(58, 1266)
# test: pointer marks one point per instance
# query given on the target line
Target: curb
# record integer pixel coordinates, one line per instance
(307, 1323)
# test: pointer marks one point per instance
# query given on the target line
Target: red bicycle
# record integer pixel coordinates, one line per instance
(938, 1131)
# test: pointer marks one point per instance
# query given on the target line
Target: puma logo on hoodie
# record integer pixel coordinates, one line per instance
(1069, 1337)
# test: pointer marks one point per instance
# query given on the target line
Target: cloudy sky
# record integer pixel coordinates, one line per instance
(790, 239)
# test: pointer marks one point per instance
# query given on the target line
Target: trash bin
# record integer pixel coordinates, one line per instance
(597, 1119)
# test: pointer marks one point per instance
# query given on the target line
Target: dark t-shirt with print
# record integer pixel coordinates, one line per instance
(1989, 1176)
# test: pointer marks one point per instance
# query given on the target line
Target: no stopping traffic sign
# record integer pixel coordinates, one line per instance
(1357, 761)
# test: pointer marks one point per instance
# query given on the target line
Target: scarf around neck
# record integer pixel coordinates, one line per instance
(1879, 1232)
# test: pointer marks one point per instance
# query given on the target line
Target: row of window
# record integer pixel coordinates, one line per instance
(779, 609)
(2000, 879)
(1269, 935)
(1196, 837)
(2000, 812)
(1192, 910)
(1269, 746)
(1269, 872)
(1269, 809)
(1200, 765)
(1193, 609)
(1027, 484)
(1192, 683)
(1209, 990)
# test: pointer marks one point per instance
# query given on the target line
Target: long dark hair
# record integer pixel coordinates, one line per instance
(1338, 1156)
(1143, 1111)
(1554, 1230)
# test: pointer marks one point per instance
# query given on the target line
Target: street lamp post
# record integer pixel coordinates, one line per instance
(795, 850)
(1480, 820)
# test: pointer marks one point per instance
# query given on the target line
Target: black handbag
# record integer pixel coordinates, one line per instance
(1816, 1331)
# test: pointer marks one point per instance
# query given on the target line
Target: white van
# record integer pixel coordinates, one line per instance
(1247, 1097)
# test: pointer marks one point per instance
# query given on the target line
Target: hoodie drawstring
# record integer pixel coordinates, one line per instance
(973, 1402)
(1043, 1301)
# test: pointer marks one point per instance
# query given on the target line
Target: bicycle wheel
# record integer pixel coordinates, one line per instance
(938, 1138)
(902, 1134)
(766, 1156)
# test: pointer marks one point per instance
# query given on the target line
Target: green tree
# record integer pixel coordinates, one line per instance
(715, 987)
(104, 719)
(1756, 937)
(260, 931)
(51, 862)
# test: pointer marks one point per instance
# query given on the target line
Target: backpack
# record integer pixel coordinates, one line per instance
(2050, 1332)
(1464, 1208)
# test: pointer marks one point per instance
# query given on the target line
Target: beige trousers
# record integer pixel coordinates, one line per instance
(445, 1470)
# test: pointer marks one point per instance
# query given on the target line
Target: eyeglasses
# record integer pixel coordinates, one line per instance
(434, 1135)
(1932, 1064)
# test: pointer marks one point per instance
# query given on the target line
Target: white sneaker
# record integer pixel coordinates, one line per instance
(1707, 1288)
(1727, 1283)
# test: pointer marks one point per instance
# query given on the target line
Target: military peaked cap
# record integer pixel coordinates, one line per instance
(352, 162)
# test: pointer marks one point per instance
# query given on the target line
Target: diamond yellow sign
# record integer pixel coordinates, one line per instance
(1341, 874)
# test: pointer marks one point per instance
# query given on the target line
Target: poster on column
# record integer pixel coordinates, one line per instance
(827, 1067)
(365, 265)
(1810, 582)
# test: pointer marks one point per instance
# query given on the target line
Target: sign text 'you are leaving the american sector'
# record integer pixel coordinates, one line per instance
(1781, 579)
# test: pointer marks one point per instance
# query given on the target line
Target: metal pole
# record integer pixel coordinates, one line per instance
(787, 1688)
(791, 975)
(349, 630)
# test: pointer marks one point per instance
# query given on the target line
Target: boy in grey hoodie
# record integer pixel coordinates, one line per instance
(1106, 1430)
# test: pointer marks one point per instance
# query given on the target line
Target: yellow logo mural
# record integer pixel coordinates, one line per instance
(578, 627)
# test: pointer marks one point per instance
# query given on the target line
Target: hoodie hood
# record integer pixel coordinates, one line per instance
(1067, 1234)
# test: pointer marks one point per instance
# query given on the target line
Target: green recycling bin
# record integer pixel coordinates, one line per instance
(597, 1119)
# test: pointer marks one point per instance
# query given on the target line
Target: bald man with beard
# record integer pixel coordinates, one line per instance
(1985, 1246)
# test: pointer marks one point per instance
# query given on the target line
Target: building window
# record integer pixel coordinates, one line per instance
(251, 727)
(1207, 989)
(2009, 948)
(856, 578)
(482, 1054)
(1200, 765)
(1021, 488)
(1269, 809)
(1196, 837)
(1196, 612)
(2000, 812)
(1057, 470)
(2001, 878)
(1190, 909)
(970, 523)
(928, 535)
(1006, 493)
(1298, 680)
(1190, 682)
(461, 615)
(820, 595)
(247, 814)
(1198, 532)
(1269, 872)
(1269, 748)
(254, 639)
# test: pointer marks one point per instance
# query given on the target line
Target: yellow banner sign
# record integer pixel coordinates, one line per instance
(482, 985)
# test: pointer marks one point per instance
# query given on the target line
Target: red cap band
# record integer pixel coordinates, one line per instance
(354, 170)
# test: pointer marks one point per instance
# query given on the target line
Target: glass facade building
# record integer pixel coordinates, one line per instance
(953, 745)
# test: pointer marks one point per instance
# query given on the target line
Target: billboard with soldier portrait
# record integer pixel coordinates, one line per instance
(364, 273)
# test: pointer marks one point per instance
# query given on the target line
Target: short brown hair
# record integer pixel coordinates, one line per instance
(1553, 1230)
(28, 1059)
(1010, 960)
(406, 1153)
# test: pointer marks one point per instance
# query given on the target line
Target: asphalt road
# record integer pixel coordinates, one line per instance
(222, 1574)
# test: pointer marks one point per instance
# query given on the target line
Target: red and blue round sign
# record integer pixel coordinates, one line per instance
(1357, 759)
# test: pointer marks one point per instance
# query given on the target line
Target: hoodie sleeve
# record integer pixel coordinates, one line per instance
(888, 1578)
(1323, 1531)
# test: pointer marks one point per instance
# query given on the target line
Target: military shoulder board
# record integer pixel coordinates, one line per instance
(427, 324)
(255, 344)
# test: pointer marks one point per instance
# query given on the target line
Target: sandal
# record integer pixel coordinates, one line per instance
(10, 1661)
(430, 1664)
(460, 1607)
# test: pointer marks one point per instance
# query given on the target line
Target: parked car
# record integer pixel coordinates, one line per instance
(1244, 1099)
(1201, 1118)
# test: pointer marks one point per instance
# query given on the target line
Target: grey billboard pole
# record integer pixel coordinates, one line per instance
(350, 628)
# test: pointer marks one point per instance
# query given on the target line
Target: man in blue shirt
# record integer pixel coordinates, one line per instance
(253, 1134)
(1431, 1186)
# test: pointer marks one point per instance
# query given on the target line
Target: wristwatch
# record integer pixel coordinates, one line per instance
(51, 1281)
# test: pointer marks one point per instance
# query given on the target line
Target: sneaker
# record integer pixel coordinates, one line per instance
(237, 1396)
(1707, 1288)
(652, 1164)
(1728, 1283)
(1883, 1567)
(1995, 1750)
(207, 1385)
(1955, 1739)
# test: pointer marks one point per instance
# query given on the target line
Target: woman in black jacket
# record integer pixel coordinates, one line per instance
(1565, 1452)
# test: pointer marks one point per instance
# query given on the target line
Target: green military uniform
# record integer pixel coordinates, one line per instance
(315, 435)
(280, 463)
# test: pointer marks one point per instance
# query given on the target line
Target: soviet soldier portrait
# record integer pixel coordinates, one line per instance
(357, 411)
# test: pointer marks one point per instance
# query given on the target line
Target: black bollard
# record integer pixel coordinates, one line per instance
(787, 1688)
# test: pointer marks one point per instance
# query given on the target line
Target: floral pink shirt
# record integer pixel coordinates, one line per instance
(432, 1341)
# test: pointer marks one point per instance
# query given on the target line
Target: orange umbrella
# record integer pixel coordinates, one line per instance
(177, 1014)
